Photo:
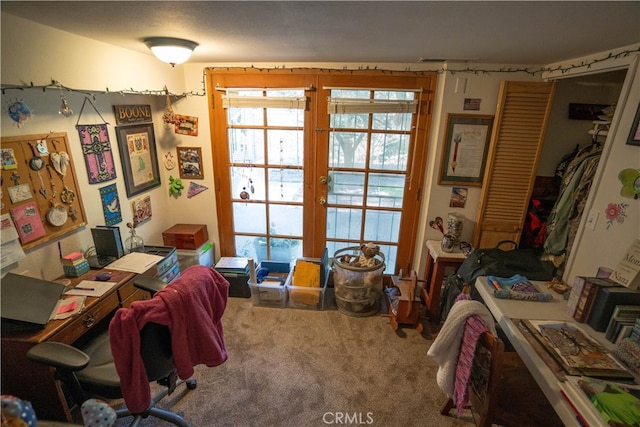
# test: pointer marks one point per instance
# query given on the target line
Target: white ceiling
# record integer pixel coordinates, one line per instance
(502, 32)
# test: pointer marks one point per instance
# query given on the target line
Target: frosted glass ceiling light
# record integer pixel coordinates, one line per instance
(170, 50)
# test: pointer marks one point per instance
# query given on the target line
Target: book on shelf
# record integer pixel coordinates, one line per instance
(233, 265)
(607, 298)
(626, 314)
(574, 295)
(574, 351)
(588, 296)
(602, 402)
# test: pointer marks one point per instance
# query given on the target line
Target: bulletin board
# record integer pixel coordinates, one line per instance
(40, 187)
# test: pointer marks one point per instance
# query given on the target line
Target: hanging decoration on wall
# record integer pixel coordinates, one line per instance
(615, 212)
(169, 161)
(28, 223)
(175, 186)
(19, 112)
(190, 161)
(141, 209)
(186, 125)
(195, 189)
(64, 110)
(630, 179)
(111, 205)
(98, 156)
(169, 117)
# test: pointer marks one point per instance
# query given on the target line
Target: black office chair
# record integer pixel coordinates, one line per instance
(90, 371)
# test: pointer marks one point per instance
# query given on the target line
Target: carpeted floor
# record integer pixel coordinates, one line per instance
(290, 367)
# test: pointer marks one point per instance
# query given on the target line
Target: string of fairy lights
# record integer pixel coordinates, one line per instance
(562, 69)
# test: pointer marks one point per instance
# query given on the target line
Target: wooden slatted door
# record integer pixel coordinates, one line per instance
(512, 162)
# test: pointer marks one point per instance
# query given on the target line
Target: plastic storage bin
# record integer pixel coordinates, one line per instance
(201, 256)
(310, 298)
(271, 292)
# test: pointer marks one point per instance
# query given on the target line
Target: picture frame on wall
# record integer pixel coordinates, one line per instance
(634, 134)
(464, 149)
(137, 146)
(190, 162)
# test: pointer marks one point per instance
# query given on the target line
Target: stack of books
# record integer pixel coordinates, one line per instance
(628, 349)
(233, 265)
(74, 264)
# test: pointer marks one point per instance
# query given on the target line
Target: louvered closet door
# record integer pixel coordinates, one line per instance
(512, 162)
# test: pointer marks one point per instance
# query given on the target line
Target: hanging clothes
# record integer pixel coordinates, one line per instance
(564, 219)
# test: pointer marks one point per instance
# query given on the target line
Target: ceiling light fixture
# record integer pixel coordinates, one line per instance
(170, 50)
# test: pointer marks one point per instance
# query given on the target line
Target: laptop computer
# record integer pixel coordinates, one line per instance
(108, 244)
(27, 303)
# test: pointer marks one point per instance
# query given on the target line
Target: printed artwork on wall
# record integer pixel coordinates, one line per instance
(458, 197)
(28, 222)
(98, 156)
(111, 205)
(186, 125)
(190, 162)
(141, 210)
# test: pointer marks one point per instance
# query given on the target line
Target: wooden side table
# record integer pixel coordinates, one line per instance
(437, 262)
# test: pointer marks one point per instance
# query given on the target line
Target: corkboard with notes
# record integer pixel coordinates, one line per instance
(40, 187)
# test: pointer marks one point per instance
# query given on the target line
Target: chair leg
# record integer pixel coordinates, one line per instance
(447, 407)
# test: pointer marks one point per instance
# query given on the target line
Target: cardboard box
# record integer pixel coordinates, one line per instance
(186, 236)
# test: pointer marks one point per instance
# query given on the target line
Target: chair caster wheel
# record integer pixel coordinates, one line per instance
(191, 384)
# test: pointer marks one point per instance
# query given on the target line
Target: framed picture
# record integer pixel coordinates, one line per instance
(190, 162)
(464, 149)
(186, 125)
(137, 145)
(634, 135)
(110, 205)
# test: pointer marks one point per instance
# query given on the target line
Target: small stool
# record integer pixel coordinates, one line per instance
(437, 261)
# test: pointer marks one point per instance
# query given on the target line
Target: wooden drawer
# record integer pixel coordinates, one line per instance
(126, 290)
(87, 320)
(138, 295)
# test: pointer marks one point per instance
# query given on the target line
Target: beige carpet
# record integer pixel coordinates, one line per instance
(290, 367)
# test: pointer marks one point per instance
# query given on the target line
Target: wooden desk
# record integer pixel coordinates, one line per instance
(437, 261)
(503, 310)
(35, 382)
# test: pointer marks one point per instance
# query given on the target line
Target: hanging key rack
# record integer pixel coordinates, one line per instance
(53, 189)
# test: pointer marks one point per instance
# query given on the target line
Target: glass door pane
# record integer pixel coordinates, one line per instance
(368, 158)
(266, 153)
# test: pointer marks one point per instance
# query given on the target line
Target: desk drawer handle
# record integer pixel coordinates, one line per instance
(89, 321)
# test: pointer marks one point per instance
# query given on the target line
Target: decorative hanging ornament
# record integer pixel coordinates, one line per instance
(169, 117)
(194, 189)
(244, 195)
(169, 161)
(251, 187)
(64, 110)
(19, 112)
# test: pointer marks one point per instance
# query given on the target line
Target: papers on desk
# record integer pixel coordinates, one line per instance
(11, 248)
(135, 262)
(91, 288)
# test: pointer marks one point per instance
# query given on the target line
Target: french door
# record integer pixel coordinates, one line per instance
(308, 159)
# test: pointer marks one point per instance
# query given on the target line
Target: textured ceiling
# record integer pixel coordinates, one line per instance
(353, 31)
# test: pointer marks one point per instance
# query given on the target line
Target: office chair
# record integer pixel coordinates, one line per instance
(502, 390)
(91, 370)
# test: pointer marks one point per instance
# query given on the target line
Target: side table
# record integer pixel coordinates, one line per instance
(437, 261)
